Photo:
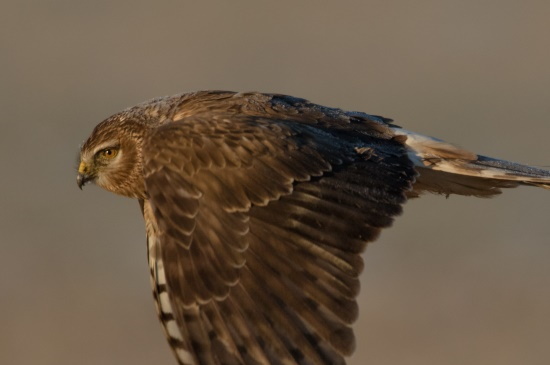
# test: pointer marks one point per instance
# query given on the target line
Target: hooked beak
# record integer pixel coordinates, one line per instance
(81, 180)
(83, 175)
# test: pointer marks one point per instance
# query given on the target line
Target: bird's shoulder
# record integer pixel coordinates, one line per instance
(230, 104)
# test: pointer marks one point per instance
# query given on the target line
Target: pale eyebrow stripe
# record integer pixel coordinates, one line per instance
(111, 143)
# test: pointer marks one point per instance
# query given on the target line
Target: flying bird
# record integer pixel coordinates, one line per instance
(257, 208)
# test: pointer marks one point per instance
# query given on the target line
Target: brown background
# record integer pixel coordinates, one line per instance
(456, 281)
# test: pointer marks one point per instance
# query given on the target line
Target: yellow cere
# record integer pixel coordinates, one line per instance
(82, 168)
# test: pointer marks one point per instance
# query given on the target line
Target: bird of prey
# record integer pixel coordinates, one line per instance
(257, 208)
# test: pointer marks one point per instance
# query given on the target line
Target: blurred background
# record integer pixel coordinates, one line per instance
(455, 281)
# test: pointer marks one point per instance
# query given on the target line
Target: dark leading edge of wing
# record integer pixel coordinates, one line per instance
(262, 224)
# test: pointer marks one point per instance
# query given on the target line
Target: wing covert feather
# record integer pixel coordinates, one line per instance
(261, 226)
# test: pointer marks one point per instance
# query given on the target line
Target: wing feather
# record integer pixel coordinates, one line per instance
(261, 223)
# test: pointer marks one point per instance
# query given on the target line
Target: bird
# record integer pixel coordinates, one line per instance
(257, 210)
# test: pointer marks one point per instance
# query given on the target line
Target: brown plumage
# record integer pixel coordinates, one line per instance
(258, 207)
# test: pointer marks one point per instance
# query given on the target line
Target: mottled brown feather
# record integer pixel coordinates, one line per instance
(258, 207)
(304, 186)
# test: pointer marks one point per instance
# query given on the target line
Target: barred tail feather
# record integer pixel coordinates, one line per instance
(447, 169)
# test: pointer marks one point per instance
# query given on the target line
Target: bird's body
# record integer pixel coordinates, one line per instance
(257, 208)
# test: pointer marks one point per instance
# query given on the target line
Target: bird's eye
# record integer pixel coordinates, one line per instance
(108, 153)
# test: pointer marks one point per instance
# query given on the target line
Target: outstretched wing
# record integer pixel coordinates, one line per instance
(259, 226)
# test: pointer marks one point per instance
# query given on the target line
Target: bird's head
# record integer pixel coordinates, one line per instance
(111, 158)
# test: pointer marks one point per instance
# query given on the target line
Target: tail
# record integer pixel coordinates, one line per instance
(447, 169)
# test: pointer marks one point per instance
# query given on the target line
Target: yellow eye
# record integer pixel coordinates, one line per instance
(108, 152)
